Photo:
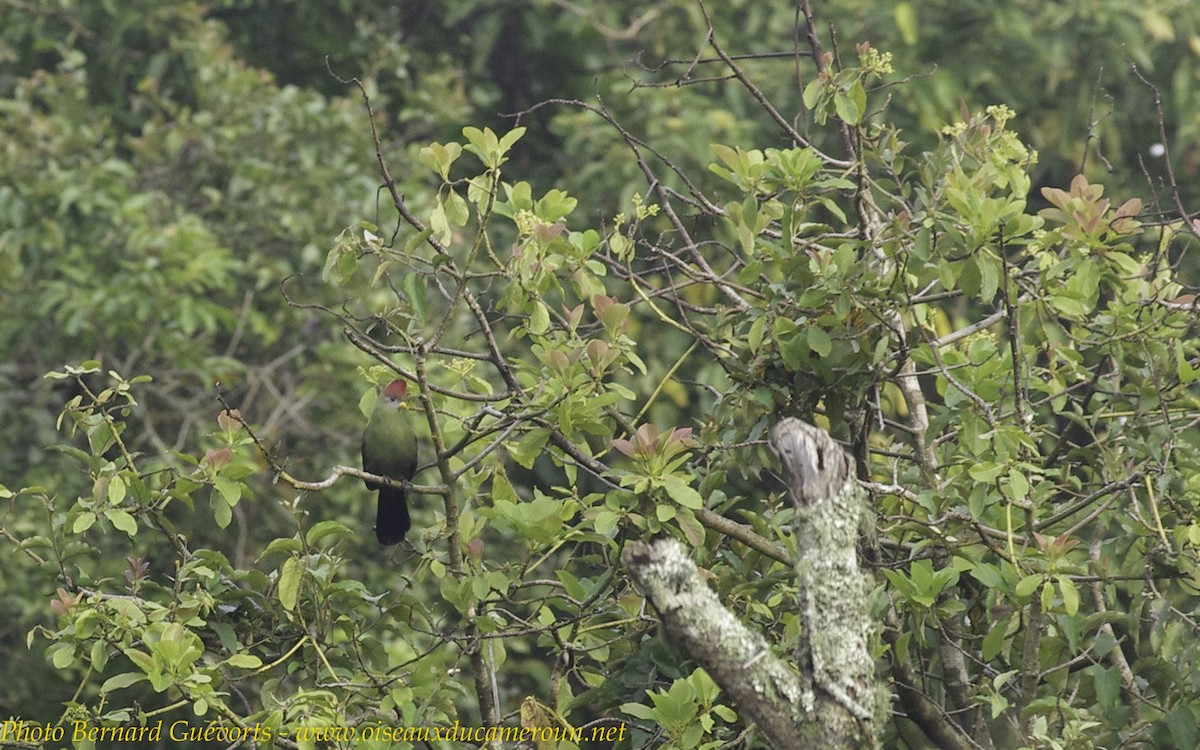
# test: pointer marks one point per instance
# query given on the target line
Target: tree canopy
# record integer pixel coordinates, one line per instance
(609, 246)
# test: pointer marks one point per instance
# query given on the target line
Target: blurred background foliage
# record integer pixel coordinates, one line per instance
(171, 171)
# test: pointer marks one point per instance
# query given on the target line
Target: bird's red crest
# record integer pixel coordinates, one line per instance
(397, 389)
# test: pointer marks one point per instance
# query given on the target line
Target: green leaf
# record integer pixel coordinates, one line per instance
(727, 155)
(858, 94)
(989, 276)
(244, 661)
(457, 593)
(755, 337)
(813, 92)
(140, 658)
(1029, 584)
(526, 451)
(83, 522)
(322, 530)
(439, 225)
(638, 711)
(289, 583)
(347, 264)
(726, 713)
(121, 520)
(281, 546)
(574, 588)
(1018, 485)
(414, 290)
(539, 520)
(851, 105)
(440, 157)
(831, 205)
(989, 575)
(682, 493)
(605, 522)
(819, 341)
(844, 106)
(116, 490)
(222, 512)
(677, 707)
(985, 471)
(994, 641)
(1107, 684)
(230, 490)
(1183, 368)
(489, 148)
(1182, 724)
(998, 704)
(1068, 306)
(99, 655)
(457, 210)
(510, 138)
(1069, 593)
(417, 240)
(62, 657)
(481, 141)
(124, 680)
(502, 489)
(900, 582)
(691, 527)
(539, 318)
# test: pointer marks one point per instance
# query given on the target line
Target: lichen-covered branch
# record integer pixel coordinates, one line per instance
(834, 652)
(760, 684)
(829, 698)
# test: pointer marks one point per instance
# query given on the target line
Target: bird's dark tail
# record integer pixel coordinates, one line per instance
(391, 516)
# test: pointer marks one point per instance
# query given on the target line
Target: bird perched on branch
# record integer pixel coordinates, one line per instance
(389, 449)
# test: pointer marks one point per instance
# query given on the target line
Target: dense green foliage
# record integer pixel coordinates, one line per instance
(602, 302)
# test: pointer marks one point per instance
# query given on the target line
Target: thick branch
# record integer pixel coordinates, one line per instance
(836, 628)
(760, 684)
(743, 534)
(830, 700)
(1030, 659)
(919, 709)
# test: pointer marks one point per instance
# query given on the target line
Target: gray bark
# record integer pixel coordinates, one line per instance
(759, 684)
(829, 698)
(834, 654)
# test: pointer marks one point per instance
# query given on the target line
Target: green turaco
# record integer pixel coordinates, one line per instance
(389, 449)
